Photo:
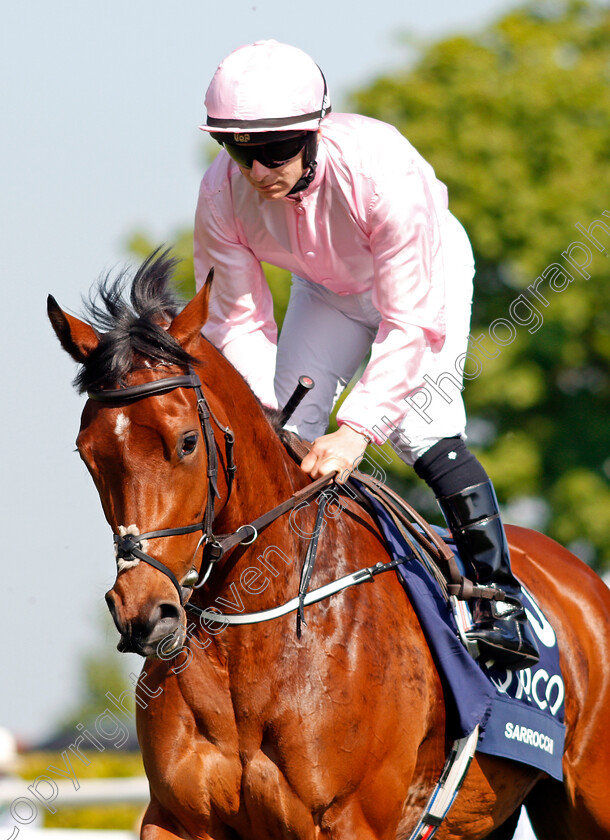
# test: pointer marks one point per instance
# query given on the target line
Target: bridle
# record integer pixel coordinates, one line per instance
(129, 546)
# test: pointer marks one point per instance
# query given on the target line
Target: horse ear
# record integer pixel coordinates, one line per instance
(77, 338)
(186, 326)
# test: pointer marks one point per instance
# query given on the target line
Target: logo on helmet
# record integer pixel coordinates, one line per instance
(241, 138)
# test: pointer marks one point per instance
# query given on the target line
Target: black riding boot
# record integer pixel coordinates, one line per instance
(466, 496)
(500, 628)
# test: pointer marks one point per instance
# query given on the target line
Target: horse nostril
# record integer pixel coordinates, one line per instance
(164, 627)
(168, 611)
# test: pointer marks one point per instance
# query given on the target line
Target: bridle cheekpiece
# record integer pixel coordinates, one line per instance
(129, 546)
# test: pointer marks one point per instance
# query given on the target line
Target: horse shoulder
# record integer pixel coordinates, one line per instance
(189, 741)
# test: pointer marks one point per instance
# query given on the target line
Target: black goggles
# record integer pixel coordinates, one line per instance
(270, 155)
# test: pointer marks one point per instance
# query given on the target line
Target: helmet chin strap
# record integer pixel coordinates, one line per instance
(309, 164)
(311, 147)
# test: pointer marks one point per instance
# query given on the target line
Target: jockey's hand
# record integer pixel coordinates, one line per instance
(339, 451)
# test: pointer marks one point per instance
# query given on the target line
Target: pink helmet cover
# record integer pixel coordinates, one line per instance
(266, 86)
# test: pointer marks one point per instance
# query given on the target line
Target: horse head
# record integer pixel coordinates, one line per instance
(145, 444)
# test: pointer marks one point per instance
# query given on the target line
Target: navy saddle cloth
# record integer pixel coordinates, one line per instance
(520, 713)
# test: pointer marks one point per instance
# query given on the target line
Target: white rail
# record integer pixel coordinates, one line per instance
(132, 790)
(74, 834)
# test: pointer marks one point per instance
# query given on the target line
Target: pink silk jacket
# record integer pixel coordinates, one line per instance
(373, 220)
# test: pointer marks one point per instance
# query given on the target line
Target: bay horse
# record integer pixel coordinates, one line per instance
(254, 732)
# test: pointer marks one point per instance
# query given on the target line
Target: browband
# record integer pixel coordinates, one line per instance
(137, 392)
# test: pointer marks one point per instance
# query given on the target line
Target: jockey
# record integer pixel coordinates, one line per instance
(378, 265)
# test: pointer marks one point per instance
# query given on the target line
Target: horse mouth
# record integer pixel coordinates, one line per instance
(161, 644)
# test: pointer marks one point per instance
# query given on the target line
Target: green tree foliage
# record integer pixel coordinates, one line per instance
(516, 121)
(141, 245)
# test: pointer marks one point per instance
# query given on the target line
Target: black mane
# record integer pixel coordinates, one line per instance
(130, 326)
(130, 330)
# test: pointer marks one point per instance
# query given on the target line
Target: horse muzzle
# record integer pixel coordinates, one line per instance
(158, 632)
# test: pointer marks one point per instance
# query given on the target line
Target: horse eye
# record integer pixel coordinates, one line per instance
(189, 444)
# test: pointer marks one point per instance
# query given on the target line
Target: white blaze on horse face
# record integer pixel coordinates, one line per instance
(123, 564)
(121, 426)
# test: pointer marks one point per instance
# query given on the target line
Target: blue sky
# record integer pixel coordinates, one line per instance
(101, 103)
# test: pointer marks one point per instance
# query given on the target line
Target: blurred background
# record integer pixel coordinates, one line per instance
(101, 161)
